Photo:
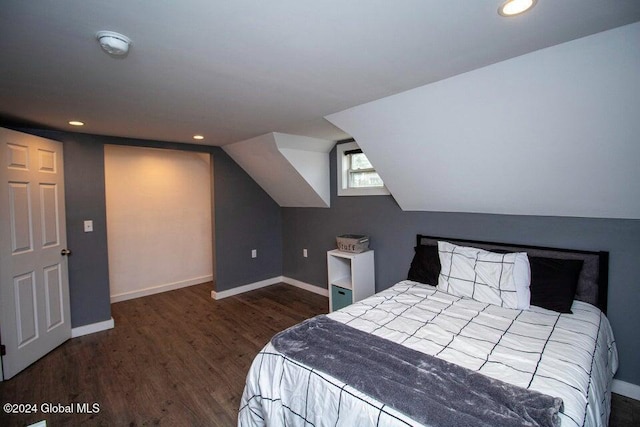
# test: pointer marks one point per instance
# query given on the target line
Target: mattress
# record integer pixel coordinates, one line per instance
(571, 356)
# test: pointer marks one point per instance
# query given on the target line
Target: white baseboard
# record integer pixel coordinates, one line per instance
(626, 389)
(245, 288)
(92, 328)
(268, 282)
(160, 288)
(306, 286)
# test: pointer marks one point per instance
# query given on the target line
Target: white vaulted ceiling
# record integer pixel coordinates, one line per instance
(554, 132)
(292, 169)
(233, 70)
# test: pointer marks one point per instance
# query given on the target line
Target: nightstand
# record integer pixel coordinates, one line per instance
(351, 277)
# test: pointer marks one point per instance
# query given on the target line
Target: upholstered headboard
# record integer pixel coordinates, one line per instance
(594, 277)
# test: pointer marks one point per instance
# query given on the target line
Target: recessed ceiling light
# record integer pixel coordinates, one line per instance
(198, 137)
(76, 123)
(516, 7)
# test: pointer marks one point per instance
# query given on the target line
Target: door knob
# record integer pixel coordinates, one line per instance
(65, 252)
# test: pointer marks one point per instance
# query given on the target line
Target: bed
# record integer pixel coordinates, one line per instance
(437, 348)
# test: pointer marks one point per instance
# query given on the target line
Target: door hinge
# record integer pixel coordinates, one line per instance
(3, 350)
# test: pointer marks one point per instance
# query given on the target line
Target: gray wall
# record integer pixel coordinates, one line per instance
(85, 199)
(245, 218)
(393, 233)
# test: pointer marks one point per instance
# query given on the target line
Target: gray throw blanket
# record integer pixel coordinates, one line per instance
(431, 391)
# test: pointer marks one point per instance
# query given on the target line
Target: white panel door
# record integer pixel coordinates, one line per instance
(34, 285)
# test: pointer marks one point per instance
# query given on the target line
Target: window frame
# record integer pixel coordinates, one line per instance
(343, 175)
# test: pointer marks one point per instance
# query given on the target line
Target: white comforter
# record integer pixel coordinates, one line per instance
(572, 356)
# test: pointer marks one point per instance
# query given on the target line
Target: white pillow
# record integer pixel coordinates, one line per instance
(522, 277)
(485, 276)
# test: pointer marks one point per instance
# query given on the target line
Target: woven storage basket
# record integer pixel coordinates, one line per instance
(355, 243)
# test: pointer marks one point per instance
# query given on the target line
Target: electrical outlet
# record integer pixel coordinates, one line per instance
(254, 253)
(304, 253)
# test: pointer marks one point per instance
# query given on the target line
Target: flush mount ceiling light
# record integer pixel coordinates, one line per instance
(516, 7)
(76, 123)
(113, 43)
(198, 137)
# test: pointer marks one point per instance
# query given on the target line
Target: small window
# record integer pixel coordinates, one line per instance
(356, 174)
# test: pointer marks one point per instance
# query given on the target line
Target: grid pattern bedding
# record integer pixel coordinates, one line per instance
(571, 356)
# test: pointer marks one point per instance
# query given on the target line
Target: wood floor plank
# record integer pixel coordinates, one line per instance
(177, 358)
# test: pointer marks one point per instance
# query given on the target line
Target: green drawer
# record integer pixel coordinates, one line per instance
(340, 297)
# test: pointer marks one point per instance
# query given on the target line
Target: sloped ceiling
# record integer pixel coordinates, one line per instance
(233, 70)
(292, 169)
(554, 132)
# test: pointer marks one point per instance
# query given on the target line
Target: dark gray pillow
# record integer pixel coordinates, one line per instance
(425, 266)
(554, 282)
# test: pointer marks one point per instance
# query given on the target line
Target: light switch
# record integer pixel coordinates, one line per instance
(88, 226)
(254, 253)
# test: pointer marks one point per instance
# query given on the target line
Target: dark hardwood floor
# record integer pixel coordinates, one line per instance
(625, 412)
(178, 358)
